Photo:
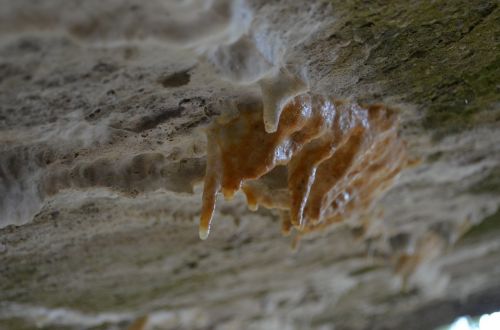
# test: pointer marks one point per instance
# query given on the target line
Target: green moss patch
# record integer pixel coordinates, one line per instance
(443, 56)
(365, 270)
(490, 224)
(489, 184)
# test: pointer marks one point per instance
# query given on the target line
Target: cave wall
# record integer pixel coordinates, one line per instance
(103, 107)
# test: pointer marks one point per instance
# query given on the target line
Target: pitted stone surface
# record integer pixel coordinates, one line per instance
(102, 152)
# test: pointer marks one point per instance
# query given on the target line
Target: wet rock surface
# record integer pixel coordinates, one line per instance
(103, 151)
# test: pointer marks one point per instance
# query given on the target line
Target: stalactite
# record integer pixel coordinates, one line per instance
(338, 157)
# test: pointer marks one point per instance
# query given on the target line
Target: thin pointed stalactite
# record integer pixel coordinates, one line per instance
(339, 156)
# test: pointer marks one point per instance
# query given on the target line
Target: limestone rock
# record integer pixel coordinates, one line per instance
(103, 106)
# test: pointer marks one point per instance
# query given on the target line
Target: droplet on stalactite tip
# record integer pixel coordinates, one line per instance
(203, 232)
(337, 156)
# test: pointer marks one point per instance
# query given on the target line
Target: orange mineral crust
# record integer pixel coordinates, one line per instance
(326, 162)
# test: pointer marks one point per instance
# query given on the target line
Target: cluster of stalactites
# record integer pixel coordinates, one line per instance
(338, 156)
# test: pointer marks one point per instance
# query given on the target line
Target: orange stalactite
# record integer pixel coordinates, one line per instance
(339, 156)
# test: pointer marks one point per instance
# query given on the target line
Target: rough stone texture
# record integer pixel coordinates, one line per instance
(102, 106)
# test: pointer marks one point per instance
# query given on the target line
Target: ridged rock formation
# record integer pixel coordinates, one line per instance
(376, 122)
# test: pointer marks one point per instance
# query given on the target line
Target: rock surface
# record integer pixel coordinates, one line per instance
(102, 153)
